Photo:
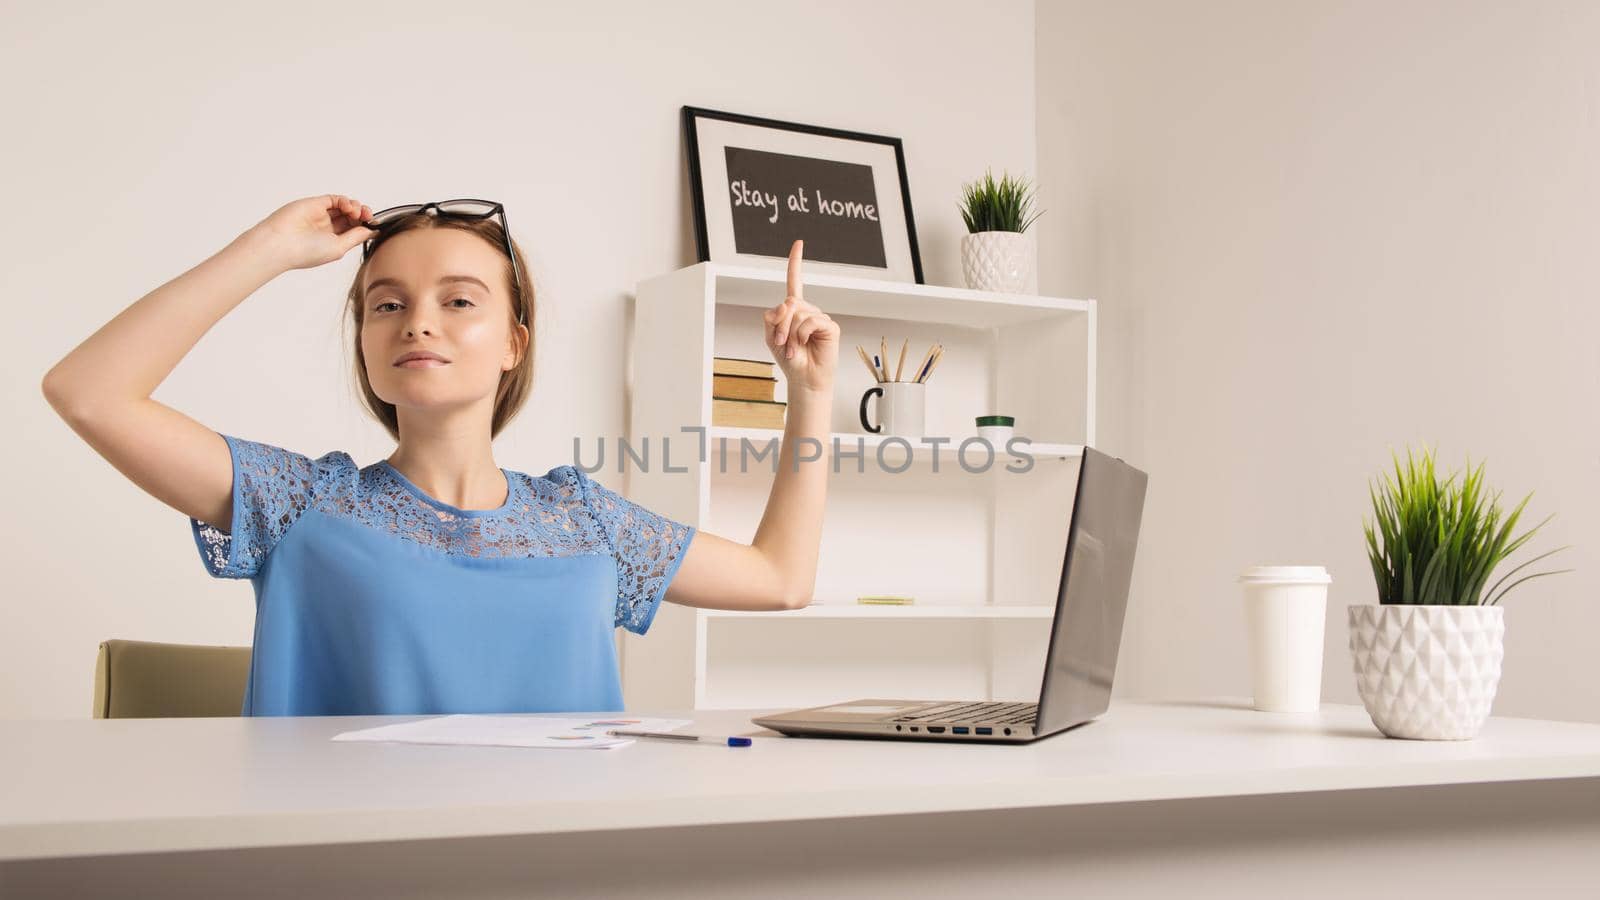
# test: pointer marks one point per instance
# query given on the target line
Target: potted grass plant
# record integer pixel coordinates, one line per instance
(996, 254)
(1427, 655)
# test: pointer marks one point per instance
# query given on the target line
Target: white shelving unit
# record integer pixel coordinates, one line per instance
(980, 551)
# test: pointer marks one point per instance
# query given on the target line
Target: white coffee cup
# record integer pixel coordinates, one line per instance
(902, 406)
(1285, 609)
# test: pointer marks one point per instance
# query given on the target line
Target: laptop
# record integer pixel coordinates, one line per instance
(1082, 657)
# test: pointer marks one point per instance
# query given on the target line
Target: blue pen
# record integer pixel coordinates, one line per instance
(731, 741)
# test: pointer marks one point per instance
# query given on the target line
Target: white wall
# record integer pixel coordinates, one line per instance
(1318, 231)
(141, 140)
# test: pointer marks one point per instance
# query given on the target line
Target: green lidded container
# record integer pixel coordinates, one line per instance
(996, 420)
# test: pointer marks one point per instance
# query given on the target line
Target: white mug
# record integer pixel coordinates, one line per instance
(901, 407)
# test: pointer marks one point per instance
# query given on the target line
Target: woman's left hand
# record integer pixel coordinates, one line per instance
(802, 338)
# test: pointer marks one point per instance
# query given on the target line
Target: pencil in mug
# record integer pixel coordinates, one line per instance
(934, 363)
(927, 361)
(867, 362)
(922, 367)
(883, 354)
(902, 364)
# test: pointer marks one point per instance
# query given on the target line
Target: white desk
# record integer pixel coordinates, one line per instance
(240, 806)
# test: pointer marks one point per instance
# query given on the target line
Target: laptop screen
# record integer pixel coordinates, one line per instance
(1093, 597)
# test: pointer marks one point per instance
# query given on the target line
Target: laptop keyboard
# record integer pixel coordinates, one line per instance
(984, 712)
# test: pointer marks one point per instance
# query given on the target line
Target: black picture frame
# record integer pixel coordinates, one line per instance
(838, 242)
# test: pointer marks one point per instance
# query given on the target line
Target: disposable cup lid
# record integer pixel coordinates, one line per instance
(1286, 575)
(996, 420)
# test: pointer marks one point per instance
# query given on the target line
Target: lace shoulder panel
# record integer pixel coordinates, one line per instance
(562, 513)
(272, 487)
(647, 546)
(542, 516)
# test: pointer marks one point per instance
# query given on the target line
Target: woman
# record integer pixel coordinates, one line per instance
(432, 581)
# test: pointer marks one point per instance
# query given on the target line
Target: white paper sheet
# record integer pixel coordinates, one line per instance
(571, 733)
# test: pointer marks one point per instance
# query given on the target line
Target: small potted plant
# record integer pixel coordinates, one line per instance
(995, 254)
(1427, 655)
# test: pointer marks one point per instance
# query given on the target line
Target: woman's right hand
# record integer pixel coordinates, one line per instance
(316, 230)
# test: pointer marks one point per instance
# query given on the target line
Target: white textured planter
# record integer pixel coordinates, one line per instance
(998, 261)
(1427, 672)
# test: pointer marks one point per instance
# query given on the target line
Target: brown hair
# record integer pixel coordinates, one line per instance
(516, 384)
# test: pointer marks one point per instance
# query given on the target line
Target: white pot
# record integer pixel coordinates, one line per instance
(1427, 672)
(1001, 261)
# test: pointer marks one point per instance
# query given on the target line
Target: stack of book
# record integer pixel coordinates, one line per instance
(742, 392)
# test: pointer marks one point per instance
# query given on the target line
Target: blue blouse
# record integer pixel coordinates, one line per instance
(373, 598)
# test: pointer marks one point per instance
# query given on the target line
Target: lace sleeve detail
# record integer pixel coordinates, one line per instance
(648, 547)
(272, 487)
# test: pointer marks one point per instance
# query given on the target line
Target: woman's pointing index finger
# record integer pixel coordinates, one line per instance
(795, 252)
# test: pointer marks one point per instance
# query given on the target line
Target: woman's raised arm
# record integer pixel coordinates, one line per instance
(102, 388)
(778, 568)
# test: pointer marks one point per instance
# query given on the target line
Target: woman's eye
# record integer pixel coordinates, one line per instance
(380, 306)
(463, 300)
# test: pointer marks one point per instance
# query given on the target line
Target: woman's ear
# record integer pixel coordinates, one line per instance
(516, 347)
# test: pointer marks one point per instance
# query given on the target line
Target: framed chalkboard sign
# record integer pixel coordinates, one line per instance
(759, 184)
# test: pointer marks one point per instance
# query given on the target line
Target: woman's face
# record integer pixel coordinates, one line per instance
(441, 291)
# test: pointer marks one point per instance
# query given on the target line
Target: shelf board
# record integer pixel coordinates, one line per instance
(856, 611)
(842, 295)
(921, 453)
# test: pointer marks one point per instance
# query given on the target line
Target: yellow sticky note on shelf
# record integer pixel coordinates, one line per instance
(885, 600)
